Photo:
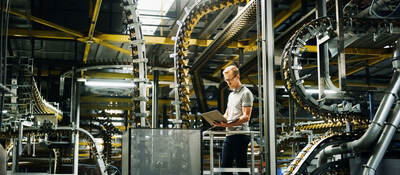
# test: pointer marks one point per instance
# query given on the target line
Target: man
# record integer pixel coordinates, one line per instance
(238, 112)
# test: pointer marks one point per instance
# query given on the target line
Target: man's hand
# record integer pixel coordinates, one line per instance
(221, 124)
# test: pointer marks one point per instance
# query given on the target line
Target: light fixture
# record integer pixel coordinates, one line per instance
(316, 91)
(109, 83)
(149, 10)
(4, 111)
(114, 111)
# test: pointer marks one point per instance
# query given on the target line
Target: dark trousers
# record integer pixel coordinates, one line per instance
(235, 148)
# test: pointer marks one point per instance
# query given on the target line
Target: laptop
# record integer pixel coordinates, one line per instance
(212, 116)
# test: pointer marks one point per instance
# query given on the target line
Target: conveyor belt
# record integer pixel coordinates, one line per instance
(41, 105)
(292, 59)
(139, 60)
(308, 153)
(198, 10)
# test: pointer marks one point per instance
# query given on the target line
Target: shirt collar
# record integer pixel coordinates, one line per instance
(238, 89)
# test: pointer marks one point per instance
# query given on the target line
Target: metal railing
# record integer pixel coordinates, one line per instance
(211, 138)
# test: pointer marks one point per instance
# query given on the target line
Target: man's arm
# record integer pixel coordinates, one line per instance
(242, 119)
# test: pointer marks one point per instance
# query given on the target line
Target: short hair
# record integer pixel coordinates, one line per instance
(233, 69)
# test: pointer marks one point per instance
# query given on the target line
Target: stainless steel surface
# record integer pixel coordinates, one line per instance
(267, 32)
(3, 160)
(164, 151)
(75, 119)
(212, 153)
(155, 120)
(380, 117)
(322, 54)
(389, 130)
(99, 158)
(383, 142)
(125, 164)
(374, 130)
(14, 155)
(259, 78)
(252, 153)
(340, 44)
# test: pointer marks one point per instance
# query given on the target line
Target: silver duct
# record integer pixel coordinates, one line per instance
(100, 161)
(383, 142)
(378, 4)
(3, 160)
(390, 127)
(380, 117)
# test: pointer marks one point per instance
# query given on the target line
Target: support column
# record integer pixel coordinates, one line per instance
(322, 52)
(155, 92)
(292, 114)
(340, 44)
(260, 78)
(76, 115)
(165, 117)
(267, 32)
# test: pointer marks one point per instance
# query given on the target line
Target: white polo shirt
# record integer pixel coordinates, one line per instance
(242, 97)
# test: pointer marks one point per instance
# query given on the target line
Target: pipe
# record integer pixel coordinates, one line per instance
(379, 118)
(383, 142)
(3, 160)
(378, 4)
(390, 127)
(100, 161)
(374, 129)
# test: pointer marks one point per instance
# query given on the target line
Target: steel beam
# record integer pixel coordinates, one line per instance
(77, 35)
(285, 14)
(354, 51)
(47, 23)
(370, 63)
(91, 29)
(245, 43)
(354, 60)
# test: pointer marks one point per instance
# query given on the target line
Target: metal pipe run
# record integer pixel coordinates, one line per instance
(100, 161)
(380, 117)
(374, 129)
(3, 160)
(390, 127)
(383, 142)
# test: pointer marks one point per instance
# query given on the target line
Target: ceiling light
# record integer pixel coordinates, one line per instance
(160, 7)
(316, 91)
(114, 111)
(109, 83)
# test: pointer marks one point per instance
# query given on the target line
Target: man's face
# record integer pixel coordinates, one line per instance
(231, 79)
